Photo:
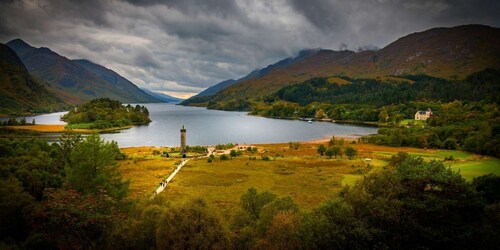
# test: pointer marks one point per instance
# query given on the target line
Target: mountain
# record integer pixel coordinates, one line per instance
(216, 88)
(163, 97)
(451, 53)
(75, 81)
(210, 92)
(19, 92)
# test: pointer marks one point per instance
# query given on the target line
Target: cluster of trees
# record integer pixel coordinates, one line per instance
(234, 105)
(224, 146)
(196, 149)
(411, 204)
(335, 149)
(106, 113)
(15, 122)
(473, 127)
(62, 195)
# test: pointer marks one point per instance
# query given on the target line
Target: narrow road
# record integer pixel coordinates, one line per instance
(177, 169)
(162, 187)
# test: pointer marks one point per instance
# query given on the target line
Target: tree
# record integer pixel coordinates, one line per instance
(191, 226)
(13, 201)
(284, 231)
(418, 204)
(271, 209)
(330, 152)
(488, 186)
(331, 142)
(68, 219)
(350, 152)
(336, 150)
(93, 167)
(321, 149)
(252, 201)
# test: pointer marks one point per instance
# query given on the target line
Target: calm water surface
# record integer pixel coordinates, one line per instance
(210, 127)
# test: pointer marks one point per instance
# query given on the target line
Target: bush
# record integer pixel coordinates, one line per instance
(224, 157)
(266, 158)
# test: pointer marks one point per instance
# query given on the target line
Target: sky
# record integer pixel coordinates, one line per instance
(181, 47)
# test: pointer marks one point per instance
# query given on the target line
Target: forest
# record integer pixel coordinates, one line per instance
(106, 113)
(465, 112)
(70, 195)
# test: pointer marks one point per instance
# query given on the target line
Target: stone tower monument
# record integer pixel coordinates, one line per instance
(183, 140)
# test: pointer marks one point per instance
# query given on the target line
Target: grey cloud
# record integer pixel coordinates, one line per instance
(188, 45)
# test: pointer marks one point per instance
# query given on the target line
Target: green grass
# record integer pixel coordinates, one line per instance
(472, 169)
(405, 122)
(80, 125)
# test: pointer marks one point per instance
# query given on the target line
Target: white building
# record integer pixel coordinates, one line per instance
(423, 115)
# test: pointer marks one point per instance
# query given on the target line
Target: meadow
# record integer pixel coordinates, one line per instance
(299, 173)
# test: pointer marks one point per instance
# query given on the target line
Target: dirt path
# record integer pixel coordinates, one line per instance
(177, 169)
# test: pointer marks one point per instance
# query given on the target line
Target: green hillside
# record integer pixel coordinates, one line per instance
(19, 92)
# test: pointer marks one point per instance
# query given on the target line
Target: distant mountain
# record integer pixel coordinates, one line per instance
(451, 53)
(163, 97)
(75, 81)
(19, 92)
(207, 94)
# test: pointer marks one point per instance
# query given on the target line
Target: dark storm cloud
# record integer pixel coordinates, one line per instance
(185, 46)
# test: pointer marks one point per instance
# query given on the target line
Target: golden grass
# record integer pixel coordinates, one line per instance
(302, 174)
(45, 128)
(337, 80)
(144, 170)
(59, 128)
(395, 79)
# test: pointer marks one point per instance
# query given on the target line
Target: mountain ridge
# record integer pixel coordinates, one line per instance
(451, 53)
(76, 81)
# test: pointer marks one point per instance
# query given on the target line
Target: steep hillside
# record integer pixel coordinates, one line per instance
(19, 93)
(75, 81)
(163, 97)
(451, 53)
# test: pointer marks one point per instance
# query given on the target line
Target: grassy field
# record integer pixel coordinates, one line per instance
(301, 174)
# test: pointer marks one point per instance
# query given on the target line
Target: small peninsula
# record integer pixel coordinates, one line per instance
(105, 113)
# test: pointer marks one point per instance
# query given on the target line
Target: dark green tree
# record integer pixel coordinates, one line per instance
(350, 152)
(321, 149)
(93, 168)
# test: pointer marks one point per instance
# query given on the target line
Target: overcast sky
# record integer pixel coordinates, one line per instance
(181, 47)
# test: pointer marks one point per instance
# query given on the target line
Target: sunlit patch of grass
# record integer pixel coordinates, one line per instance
(471, 169)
